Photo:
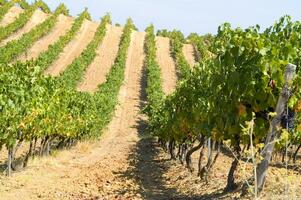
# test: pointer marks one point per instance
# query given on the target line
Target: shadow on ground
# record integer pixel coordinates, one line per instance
(147, 167)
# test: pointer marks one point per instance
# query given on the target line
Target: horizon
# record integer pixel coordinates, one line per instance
(185, 16)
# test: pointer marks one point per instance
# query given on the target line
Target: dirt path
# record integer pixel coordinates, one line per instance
(126, 163)
(63, 24)
(74, 48)
(188, 51)
(11, 15)
(106, 54)
(89, 170)
(37, 18)
(167, 64)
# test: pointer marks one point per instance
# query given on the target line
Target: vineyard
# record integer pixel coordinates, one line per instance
(93, 110)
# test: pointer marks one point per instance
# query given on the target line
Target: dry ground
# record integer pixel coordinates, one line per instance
(37, 18)
(11, 15)
(167, 64)
(188, 51)
(106, 55)
(126, 163)
(74, 48)
(62, 25)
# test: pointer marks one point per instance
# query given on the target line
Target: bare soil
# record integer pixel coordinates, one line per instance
(191, 186)
(63, 24)
(89, 169)
(106, 55)
(37, 18)
(167, 64)
(188, 51)
(11, 15)
(74, 48)
(126, 163)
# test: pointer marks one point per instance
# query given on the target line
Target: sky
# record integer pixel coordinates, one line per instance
(187, 15)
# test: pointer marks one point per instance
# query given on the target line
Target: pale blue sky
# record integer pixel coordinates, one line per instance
(187, 15)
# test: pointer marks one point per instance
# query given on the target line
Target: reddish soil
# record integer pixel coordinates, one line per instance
(126, 163)
(11, 15)
(73, 49)
(106, 54)
(188, 51)
(167, 64)
(63, 24)
(89, 169)
(37, 18)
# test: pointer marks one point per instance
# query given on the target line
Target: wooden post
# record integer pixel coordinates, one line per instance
(9, 161)
(262, 167)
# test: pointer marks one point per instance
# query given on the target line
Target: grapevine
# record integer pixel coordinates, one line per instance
(246, 71)
(14, 48)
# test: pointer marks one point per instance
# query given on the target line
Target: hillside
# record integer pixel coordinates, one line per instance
(103, 149)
